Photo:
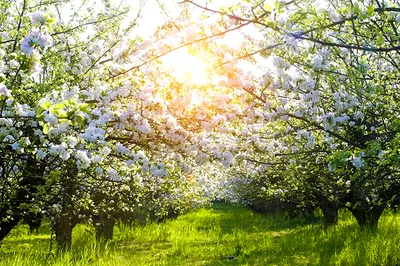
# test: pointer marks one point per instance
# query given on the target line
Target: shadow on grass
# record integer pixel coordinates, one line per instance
(232, 216)
(25, 244)
(129, 246)
(298, 241)
(303, 246)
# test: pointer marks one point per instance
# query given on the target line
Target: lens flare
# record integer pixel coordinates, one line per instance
(186, 67)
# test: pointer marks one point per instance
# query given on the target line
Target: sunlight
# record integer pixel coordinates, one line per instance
(195, 99)
(186, 67)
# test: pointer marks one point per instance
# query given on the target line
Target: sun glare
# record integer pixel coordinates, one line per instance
(186, 67)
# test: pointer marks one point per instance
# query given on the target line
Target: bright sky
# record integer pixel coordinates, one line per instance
(193, 70)
(153, 15)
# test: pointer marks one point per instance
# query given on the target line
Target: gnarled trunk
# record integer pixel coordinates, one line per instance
(330, 210)
(19, 202)
(7, 226)
(63, 230)
(65, 221)
(368, 217)
(104, 226)
(33, 220)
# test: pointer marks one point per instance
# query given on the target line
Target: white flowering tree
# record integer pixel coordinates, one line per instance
(63, 112)
(86, 104)
(326, 74)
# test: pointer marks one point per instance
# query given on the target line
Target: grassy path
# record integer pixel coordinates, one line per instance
(220, 235)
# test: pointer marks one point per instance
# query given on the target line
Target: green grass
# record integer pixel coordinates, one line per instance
(220, 235)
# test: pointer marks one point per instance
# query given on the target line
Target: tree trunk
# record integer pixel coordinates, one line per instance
(7, 226)
(368, 217)
(63, 230)
(104, 227)
(64, 221)
(18, 203)
(330, 210)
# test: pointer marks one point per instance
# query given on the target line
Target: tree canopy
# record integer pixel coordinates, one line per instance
(251, 100)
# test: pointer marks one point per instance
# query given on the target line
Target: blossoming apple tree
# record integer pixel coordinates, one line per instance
(328, 83)
(65, 118)
(92, 119)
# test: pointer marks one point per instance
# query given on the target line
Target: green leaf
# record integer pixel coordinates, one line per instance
(356, 10)
(268, 6)
(2, 77)
(84, 107)
(40, 117)
(80, 120)
(57, 106)
(224, 9)
(380, 40)
(70, 114)
(73, 103)
(46, 129)
(64, 120)
(51, 20)
(370, 10)
(60, 113)
(45, 105)
(70, 103)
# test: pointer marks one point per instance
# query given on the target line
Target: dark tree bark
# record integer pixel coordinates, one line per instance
(63, 230)
(367, 214)
(33, 220)
(104, 226)
(65, 221)
(7, 226)
(19, 202)
(330, 210)
(368, 217)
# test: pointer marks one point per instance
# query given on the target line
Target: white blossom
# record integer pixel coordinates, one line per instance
(34, 39)
(4, 91)
(83, 161)
(41, 154)
(113, 174)
(357, 162)
(38, 18)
